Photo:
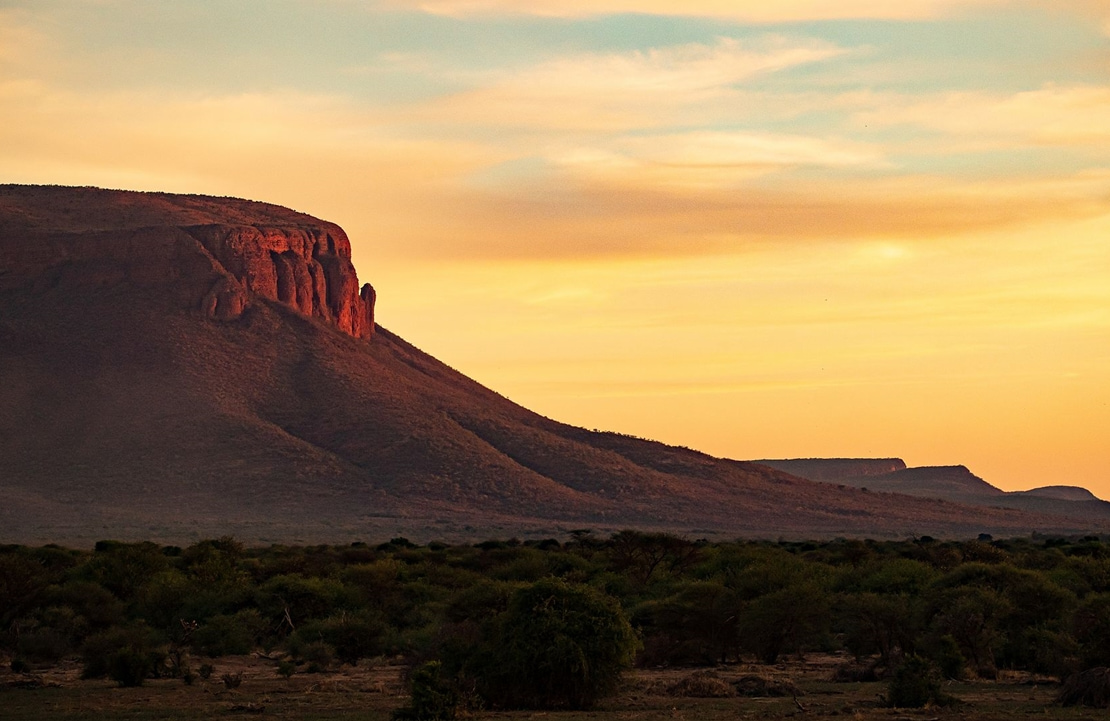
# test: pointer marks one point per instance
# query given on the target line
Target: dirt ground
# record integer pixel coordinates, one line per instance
(372, 690)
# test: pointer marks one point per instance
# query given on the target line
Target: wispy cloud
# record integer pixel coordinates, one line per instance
(767, 12)
(707, 159)
(317, 153)
(578, 215)
(637, 89)
(1065, 115)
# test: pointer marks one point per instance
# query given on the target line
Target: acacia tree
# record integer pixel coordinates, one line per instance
(641, 555)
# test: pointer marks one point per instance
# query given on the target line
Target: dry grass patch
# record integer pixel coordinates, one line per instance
(702, 684)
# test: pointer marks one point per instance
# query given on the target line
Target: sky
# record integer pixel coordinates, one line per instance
(805, 228)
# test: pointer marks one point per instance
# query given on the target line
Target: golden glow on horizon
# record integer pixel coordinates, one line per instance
(940, 349)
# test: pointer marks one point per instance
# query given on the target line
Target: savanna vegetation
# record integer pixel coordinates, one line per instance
(552, 624)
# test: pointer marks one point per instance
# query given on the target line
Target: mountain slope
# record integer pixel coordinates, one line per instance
(181, 366)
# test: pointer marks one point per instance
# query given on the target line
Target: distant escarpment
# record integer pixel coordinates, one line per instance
(950, 483)
(832, 470)
(1062, 493)
(216, 256)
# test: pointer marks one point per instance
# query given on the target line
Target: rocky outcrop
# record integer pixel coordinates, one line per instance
(225, 301)
(307, 268)
(214, 255)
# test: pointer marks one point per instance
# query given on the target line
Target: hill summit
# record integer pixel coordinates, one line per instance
(175, 366)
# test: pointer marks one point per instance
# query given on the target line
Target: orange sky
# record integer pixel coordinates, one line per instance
(760, 230)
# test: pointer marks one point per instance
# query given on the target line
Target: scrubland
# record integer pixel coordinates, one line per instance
(630, 626)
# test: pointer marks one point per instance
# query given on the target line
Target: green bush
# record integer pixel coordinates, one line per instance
(298, 598)
(434, 697)
(696, 625)
(951, 662)
(885, 623)
(51, 634)
(129, 667)
(351, 635)
(784, 620)
(557, 645)
(915, 684)
(1041, 650)
(99, 608)
(229, 635)
(317, 654)
(101, 652)
(1091, 628)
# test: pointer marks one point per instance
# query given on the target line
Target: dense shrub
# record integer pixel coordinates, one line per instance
(434, 696)
(22, 581)
(915, 684)
(888, 624)
(122, 651)
(949, 660)
(557, 645)
(696, 625)
(1041, 650)
(123, 568)
(299, 599)
(49, 635)
(98, 606)
(229, 635)
(352, 635)
(317, 654)
(783, 621)
(1091, 628)
(129, 667)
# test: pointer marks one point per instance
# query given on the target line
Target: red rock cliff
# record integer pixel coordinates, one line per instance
(308, 268)
(215, 255)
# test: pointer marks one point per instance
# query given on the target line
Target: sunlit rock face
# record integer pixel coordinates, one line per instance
(86, 239)
(307, 268)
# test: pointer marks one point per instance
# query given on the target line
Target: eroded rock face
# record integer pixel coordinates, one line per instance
(308, 268)
(213, 255)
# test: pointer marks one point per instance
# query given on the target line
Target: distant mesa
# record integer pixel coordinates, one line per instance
(174, 367)
(831, 470)
(1063, 493)
(952, 483)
